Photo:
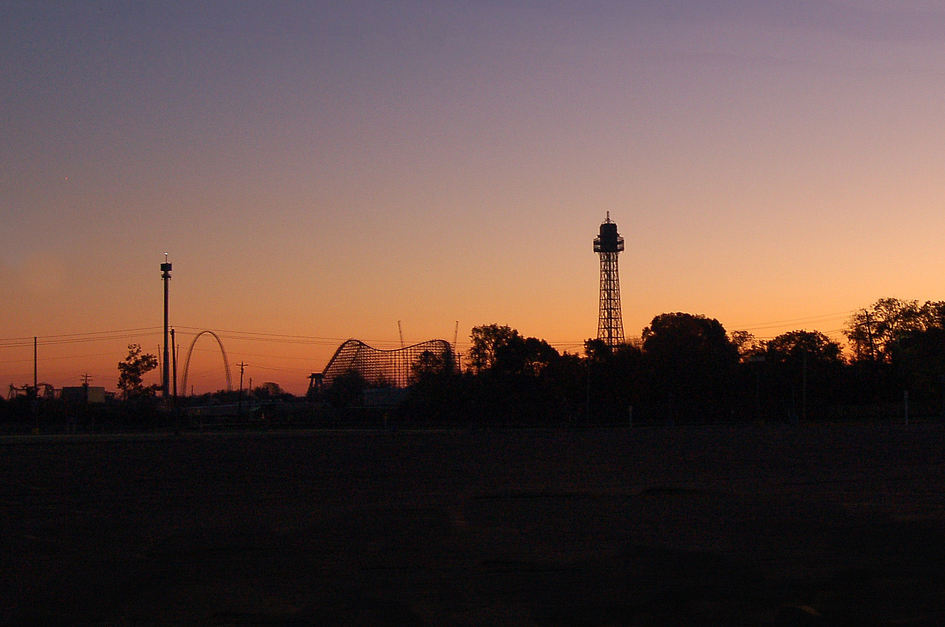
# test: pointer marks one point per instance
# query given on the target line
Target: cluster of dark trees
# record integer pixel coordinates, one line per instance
(688, 368)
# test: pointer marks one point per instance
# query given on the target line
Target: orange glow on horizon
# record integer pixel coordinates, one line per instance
(774, 166)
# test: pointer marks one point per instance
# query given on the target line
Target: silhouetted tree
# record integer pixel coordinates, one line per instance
(805, 369)
(565, 385)
(346, 390)
(796, 346)
(872, 332)
(690, 362)
(269, 391)
(918, 363)
(437, 392)
(487, 340)
(598, 351)
(893, 345)
(523, 356)
(131, 373)
(613, 380)
(747, 345)
(431, 364)
(517, 380)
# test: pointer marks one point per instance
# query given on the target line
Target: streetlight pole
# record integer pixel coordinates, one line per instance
(173, 366)
(239, 402)
(165, 377)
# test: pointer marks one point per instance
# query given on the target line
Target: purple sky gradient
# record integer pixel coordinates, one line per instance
(322, 170)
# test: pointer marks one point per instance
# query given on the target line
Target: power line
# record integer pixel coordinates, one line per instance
(83, 333)
(285, 338)
(76, 338)
(258, 367)
(780, 323)
(59, 357)
(249, 335)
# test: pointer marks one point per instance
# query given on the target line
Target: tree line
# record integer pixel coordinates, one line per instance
(688, 368)
(685, 368)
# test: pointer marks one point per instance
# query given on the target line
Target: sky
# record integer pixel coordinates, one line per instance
(319, 171)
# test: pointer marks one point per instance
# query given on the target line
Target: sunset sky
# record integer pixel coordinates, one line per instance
(321, 170)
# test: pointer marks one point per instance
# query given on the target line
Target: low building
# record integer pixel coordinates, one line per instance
(84, 394)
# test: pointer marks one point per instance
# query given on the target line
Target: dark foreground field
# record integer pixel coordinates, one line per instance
(686, 525)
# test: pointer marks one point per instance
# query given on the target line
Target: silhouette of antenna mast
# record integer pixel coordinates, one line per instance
(165, 374)
(608, 244)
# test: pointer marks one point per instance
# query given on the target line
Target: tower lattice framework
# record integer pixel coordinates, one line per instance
(608, 244)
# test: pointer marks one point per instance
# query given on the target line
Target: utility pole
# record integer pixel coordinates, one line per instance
(869, 334)
(34, 397)
(165, 375)
(174, 363)
(86, 379)
(587, 396)
(239, 403)
(456, 365)
(804, 388)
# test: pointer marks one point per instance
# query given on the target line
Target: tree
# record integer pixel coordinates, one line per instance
(872, 332)
(597, 351)
(268, 390)
(747, 345)
(611, 380)
(932, 314)
(690, 361)
(436, 390)
(347, 390)
(895, 347)
(805, 368)
(682, 341)
(430, 365)
(795, 346)
(565, 384)
(524, 356)
(131, 372)
(918, 363)
(487, 341)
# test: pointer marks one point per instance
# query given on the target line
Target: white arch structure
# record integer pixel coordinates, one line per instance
(226, 362)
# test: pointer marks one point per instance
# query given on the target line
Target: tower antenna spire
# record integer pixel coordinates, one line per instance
(165, 371)
(608, 244)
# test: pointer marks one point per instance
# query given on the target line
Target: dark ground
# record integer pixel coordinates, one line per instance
(686, 525)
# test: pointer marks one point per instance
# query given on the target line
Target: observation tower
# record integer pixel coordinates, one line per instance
(608, 244)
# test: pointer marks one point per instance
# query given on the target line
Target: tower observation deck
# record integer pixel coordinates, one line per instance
(608, 244)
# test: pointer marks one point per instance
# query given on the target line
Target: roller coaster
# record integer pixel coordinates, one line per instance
(42, 390)
(378, 367)
(386, 367)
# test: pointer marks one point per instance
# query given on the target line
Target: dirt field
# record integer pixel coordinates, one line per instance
(686, 525)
